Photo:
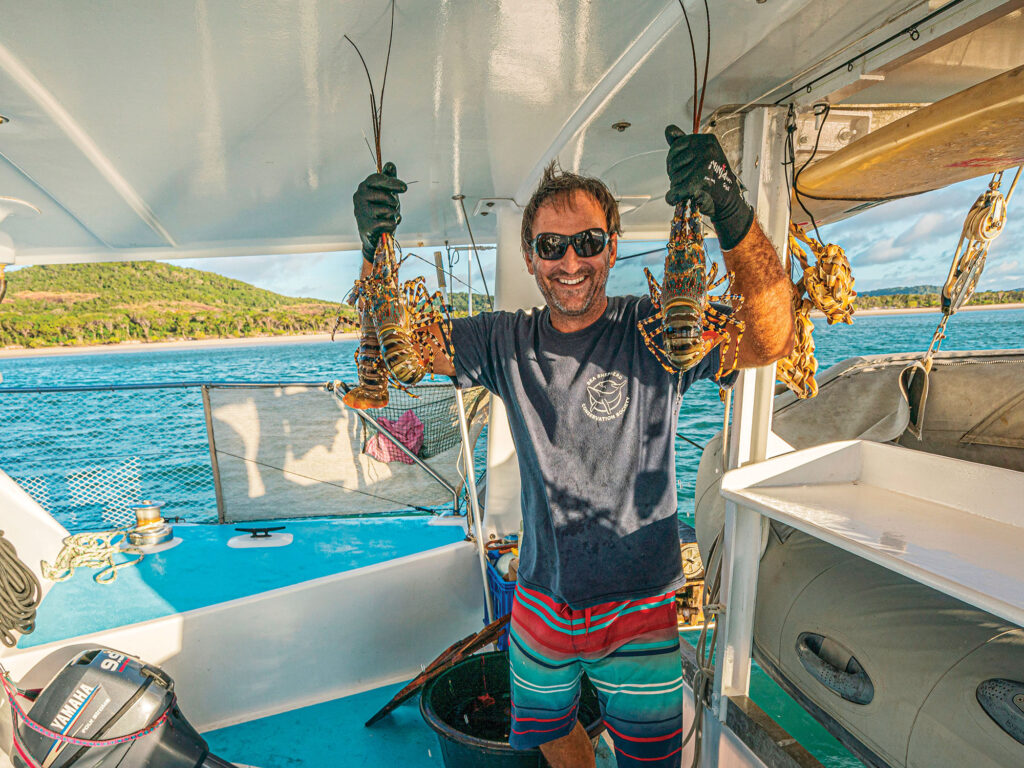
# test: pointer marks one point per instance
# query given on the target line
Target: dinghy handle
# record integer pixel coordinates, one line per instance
(1003, 701)
(851, 683)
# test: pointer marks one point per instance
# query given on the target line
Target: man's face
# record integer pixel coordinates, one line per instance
(573, 287)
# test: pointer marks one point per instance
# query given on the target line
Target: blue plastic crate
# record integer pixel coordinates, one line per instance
(501, 594)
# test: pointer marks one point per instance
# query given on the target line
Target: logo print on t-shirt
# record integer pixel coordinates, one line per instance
(606, 396)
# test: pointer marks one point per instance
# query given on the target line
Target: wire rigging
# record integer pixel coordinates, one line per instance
(911, 31)
(821, 112)
(838, 52)
(641, 253)
(460, 199)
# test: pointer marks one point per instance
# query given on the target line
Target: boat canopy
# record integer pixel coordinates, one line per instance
(149, 130)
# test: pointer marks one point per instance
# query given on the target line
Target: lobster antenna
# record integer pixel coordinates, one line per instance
(693, 50)
(377, 105)
(375, 120)
(707, 66)
(387, 61)
(367, 141)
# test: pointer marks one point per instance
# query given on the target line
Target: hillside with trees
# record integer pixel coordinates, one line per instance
(76, 304)
(910, 298)
(79, 304)
(460, 303)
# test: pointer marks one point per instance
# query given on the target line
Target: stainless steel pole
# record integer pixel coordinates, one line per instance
(474, 502)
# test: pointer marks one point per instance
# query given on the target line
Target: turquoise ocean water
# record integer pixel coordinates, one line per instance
(700, 418)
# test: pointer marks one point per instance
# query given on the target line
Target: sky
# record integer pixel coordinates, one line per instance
(904, 242)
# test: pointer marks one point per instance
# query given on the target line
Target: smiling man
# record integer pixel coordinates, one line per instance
(593, 415)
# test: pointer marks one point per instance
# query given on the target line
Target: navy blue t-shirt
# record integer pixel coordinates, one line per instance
(593, 416)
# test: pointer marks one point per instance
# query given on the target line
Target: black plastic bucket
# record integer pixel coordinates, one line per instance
(469, 707)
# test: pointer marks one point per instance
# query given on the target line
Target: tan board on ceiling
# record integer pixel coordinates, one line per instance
(972, 133)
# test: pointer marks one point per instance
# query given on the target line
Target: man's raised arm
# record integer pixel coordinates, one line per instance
(767, 310)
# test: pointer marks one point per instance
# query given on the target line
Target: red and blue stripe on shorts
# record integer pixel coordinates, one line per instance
(629, 651)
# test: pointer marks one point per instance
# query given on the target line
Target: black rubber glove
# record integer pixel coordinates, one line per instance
(698, 171)
(377, 208)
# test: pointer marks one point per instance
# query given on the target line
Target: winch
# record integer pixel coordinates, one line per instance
(150, 527)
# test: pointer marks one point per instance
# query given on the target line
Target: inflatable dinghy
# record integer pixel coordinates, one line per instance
(902, 674)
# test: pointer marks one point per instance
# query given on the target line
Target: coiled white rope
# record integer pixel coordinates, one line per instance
(92, 550)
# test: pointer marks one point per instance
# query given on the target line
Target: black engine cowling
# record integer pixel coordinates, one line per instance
(104, 695)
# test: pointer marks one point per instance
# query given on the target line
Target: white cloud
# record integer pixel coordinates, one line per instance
(929, 224)
(883, 253)
(1006, 268)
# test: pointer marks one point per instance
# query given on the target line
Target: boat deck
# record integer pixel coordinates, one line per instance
(333, 733)
(203, 570)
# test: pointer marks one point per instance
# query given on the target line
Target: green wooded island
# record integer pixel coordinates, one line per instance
(84, 304)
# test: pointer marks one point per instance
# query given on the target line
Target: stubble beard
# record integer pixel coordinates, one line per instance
(597, 290)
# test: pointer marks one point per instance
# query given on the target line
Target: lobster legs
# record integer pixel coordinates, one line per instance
(396, 344)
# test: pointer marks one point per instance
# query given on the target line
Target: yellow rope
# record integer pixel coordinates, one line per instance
(829, 283)
(92, 550)
(828, 286)
(797, 371)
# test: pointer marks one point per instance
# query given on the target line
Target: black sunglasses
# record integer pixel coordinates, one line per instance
(589, 242)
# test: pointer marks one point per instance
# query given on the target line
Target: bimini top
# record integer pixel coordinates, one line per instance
(139, 129)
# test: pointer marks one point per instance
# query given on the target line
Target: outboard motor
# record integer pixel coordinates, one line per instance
(107, 709)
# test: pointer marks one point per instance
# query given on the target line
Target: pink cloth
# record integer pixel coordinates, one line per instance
(408, 429)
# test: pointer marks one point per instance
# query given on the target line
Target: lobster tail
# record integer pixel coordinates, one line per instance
(389, 307)
(372, 391)
(685, 291)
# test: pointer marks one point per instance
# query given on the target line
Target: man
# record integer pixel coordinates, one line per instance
(593, 415)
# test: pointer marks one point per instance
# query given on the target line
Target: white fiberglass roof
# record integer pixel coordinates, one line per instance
(146, 129)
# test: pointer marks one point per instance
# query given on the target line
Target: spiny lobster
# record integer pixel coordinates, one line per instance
(395, 322)
(688, 324)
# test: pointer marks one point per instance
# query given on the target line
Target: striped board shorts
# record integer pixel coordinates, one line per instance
(630, 652)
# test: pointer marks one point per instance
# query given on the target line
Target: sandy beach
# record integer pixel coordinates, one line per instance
(156, 346)
(922, 310)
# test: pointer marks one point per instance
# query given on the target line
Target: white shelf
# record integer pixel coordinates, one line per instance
(954, 525)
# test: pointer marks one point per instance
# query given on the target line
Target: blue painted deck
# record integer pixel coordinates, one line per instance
(332, 734)
(203, 571)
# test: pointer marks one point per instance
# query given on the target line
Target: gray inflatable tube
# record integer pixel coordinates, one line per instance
(902, 674)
